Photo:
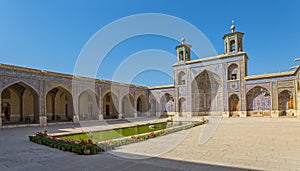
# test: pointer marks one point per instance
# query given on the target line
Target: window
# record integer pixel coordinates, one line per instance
(232, 46)
(187, 56)
(181, 78)
(181, 55)
(233, 77)
(233, 71)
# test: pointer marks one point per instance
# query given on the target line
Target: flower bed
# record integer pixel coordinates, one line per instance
(83, 147)
(88, 147)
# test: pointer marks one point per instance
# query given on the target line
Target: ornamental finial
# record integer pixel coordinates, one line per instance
(182, 40)
(232, 27)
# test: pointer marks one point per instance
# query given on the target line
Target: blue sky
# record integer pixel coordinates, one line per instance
(49, 35)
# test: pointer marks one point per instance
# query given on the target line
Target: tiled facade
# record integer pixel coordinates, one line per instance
(217, 85)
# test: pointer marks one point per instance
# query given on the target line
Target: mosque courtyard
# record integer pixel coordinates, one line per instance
(255, 143)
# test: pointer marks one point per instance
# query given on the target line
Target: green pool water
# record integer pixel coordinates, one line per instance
(122, 132)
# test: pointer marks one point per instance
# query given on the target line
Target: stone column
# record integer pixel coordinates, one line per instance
(135, 107)
(42, 104)
(0, 110)
(225, 114)
(243, 114)
(297, 113)
(274, 113)
(100, 105)
(120, 108)
(76, 107)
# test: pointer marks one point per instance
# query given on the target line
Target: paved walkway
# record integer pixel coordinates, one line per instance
(17, 153)
(253, 143)
(250, 143)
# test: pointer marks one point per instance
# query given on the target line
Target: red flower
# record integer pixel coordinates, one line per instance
(151, 134)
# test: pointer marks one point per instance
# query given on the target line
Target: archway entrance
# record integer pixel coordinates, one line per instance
(88, 106)
(167, 104)
(286, 103)
(19, 104)
(206, 94)
(128, 106)
(59, 105)
(258, 102)
(110, 106)
(141, 106)
(233, 105)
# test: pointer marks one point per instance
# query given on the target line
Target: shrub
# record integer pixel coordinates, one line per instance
(62, 144)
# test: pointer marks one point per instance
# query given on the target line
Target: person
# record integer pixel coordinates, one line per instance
(6, 113)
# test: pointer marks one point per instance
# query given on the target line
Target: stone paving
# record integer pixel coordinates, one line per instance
(249, 143)
(252, 143)
(17, 153)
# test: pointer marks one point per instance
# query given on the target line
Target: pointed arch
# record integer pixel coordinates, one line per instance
(166, 103)
(20, 103)
(233, 105)
(233, 72)
(181, 78)
(61, 86)
(206, 94)
(23, 82)
(110, 106)
(258, 101)
(142, 106)
(128, 106)
(88, 105)
(286, 103)
(59, 104)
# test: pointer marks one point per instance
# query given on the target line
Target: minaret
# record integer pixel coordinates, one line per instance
(233, 42)
(183, 51)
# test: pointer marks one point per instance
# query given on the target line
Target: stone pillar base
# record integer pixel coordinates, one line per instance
(298, 113)
(120, 116)
(274, 113)
(75, 118)
(243, 114)
(135, 115)
(43, 121)
(225, 114)
(157, 114)
(189, 114)
(100, 118)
